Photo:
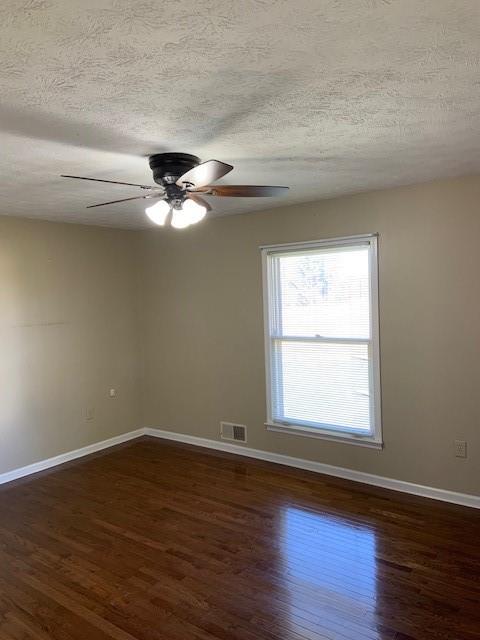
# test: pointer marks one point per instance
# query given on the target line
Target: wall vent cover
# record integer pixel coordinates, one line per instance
(232, 431)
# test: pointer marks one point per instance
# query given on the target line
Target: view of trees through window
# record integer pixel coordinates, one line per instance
(325, 293)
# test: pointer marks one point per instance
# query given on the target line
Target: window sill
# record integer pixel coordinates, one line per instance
(308, 432)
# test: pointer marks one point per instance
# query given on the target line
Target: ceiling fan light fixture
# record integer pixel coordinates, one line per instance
(158, 212)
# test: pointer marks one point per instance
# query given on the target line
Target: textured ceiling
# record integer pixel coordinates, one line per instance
(324, 96)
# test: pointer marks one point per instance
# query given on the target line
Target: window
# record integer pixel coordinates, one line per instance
(321, 333)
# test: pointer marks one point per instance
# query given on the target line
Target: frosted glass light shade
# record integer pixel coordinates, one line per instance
(193, 211)
(158, 212)
(179, 219)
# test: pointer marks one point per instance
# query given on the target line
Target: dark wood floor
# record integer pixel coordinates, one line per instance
(157, 540)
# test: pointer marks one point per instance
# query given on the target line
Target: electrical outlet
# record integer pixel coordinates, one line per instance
(460, 448)
(89, 414)
(112, 393)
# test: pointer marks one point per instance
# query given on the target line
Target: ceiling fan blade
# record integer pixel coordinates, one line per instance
(149, 197)
(241, 191)
(200, 201)
(205, 173)
(128, 184)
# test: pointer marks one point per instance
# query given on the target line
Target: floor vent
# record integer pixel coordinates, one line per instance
(234, 432)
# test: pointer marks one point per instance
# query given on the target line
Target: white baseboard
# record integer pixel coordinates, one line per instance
(463, 499)
(14, 474)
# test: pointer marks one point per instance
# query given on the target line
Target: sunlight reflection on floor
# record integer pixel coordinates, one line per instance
(330, 574)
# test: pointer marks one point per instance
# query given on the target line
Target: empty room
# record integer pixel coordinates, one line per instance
(240, 320)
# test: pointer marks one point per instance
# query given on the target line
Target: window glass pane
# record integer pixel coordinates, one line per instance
(321, 384)
(323, 292)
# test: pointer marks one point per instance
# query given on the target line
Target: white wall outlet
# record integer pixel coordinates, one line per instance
(460, 448)
(89, 414)
(112, 393)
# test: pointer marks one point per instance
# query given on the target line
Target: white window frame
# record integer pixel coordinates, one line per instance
(374, 438)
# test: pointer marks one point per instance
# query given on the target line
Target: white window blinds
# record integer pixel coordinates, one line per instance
(321, 333)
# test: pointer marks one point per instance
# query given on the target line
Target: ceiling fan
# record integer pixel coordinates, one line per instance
(182, 181)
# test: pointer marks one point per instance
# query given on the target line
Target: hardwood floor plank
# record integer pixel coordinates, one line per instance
(155, 540)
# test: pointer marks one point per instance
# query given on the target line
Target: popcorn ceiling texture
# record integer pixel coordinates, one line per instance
(325, 96)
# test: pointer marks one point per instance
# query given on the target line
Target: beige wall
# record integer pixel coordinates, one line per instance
(67, 335)
(173, 320)
(203, 327)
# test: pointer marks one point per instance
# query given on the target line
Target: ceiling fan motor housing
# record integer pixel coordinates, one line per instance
(168, 167)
